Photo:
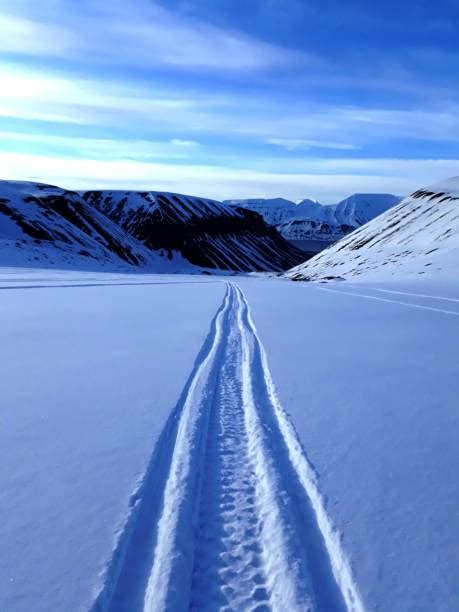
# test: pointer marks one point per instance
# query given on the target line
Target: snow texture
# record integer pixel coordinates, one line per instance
(371, 386)
(420, 236)
(180, 443)
(92, 369)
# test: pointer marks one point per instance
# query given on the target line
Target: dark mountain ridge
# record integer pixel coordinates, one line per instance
(206, 232)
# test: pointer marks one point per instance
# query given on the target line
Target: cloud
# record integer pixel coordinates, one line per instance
(184, 143)
(189, 115)
(22, 35)
(138, 33)
(103, 148)
(43, 96)
(293, 144)
(340, 179)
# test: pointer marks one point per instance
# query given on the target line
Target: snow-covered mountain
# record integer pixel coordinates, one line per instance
(47, 224)
(206, 232)
(314, 226)
(274, 211)
(419, 236)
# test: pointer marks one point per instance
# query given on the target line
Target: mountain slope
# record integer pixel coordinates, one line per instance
(418, 236)
(312, 225)
(360, 208)
(48, 224)
(206, 232)
(274, 211)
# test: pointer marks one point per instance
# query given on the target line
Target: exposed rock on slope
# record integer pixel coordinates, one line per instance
(48, 224)
(206, 232)
(418, 236)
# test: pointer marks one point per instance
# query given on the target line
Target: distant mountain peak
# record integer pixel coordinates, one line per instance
(313, 225)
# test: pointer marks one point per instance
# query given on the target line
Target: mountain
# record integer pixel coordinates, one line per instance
(360, 208)
(313, 226)
(419, 236)
(47, 224)
(274, 211)
(206, 232)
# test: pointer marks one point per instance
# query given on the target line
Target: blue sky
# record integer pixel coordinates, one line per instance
(230, 98)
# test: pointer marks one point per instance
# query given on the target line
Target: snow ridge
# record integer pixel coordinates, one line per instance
(241, 522)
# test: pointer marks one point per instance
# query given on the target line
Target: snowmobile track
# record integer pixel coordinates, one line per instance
(240, 523)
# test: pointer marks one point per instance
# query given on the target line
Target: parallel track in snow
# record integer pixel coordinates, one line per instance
(241, 524)
(367, 296)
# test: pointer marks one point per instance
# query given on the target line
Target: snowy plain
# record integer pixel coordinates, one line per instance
(93, 366)
(90, 376)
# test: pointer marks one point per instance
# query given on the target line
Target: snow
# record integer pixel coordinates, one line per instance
(273, 210)
(46, 226)
(180, 207)
(158, 232)
(371, 387)
(206, 441)
(206, 232)
(420, 236)
(90, 376)
(309, 220)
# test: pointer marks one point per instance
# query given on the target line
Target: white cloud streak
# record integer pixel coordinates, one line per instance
(107, 148)
(293, 144)
(342, 177)
(43, 96)
(136, 33)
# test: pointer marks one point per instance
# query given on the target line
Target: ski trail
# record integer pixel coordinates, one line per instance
(380, 299)
(240, 523)
(101, 284)
(170, 562)
(420, 295)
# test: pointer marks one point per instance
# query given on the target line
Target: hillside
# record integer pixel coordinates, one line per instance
(206, 232)
(44, 224)
(419, 236)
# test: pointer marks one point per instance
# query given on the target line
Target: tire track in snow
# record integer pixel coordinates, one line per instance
(307, 480)
(241, 524)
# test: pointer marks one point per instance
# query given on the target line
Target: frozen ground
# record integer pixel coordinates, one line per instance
(191, 443)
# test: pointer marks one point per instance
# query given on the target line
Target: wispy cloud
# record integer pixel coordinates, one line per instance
(22, 35)
(139, 33)
(294, 144)
(340, 177)
(156, 96)
(187, 115)
(104, 148)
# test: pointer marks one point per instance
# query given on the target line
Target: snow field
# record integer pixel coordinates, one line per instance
(237, 528)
